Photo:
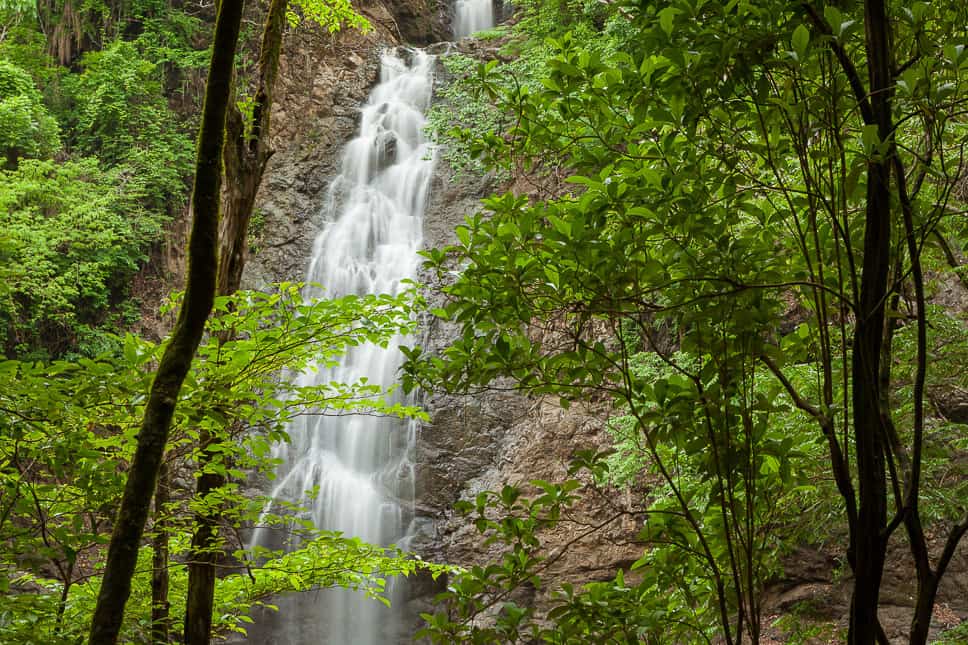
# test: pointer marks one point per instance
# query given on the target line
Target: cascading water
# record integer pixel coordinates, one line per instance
(472, 16)
(362, 465)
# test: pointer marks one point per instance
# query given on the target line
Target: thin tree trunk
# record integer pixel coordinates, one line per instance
(200, 598)
(245, 160)
(923, 609)
(160, 606)
(177, 359)
(871, 543)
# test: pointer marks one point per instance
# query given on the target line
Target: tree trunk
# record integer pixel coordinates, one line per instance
(246, 157)
(870, 545)
(245, 160)
(923, 609)
(160, 607)
(200, 598)
(177, 359)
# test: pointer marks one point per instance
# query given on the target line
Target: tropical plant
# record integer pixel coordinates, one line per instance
(73, 238)
(119, 114)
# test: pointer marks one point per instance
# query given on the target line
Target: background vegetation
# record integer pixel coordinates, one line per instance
(98, 148)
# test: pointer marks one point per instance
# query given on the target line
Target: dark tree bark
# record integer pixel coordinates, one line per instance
(205, 553)
(870, 543)
(160, 606)
(878, 447)
(245, 159)
(177, 359)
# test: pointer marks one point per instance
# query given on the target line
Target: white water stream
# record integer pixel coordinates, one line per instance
(472, 16)
(362, 466)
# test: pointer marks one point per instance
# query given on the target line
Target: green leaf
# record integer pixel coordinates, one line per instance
(667, 17)
(800, 41)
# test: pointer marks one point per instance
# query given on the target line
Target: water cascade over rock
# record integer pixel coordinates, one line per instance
(362, 466)
(471, 16)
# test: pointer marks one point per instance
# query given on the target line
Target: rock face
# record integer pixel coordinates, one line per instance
(323, 79)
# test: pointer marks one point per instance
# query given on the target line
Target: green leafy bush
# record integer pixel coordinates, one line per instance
(119, 114)
(76, 231)
(72, 236)
(25, 47)
(26, 128)
(463, 114)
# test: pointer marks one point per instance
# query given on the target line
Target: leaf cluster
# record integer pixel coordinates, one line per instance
(68, 430)
(26, 127)
(72, 237)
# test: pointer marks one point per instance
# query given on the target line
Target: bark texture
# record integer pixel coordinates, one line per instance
(160, 606)
(245, 155)
(177, 359)
(869, 545)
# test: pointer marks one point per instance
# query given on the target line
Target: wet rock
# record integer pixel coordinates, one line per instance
(413, 25)
(323, 79)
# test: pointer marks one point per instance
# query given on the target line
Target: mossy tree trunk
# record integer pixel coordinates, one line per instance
(246, 154)
(189, 328)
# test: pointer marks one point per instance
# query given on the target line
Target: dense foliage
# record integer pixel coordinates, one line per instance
(734, 241)
(73, 240)
(732, 232)
(70, 428)
(26, 128)
(96, 162)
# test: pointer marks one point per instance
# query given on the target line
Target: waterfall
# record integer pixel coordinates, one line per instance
(472, 16)
(362, 465)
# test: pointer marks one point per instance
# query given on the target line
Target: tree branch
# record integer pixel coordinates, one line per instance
(845, 63)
